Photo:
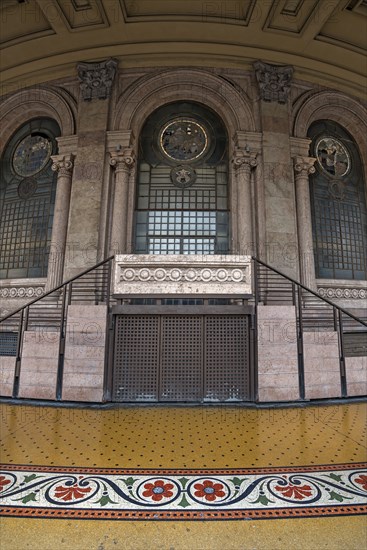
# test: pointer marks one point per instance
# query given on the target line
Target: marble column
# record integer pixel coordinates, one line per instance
(303, 167)
(123, 162)
(63, 165)
(243, 162)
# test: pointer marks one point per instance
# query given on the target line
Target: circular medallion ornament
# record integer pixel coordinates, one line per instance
(183, 176)
(333, 157)
(27, 188)
(183, 140)
(337, 189)
(31, 155)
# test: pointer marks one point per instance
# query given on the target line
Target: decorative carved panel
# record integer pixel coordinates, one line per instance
(96, 79)
(157, 275)
(274, 81)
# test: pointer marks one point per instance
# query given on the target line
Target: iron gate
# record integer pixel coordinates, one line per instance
(181, 358)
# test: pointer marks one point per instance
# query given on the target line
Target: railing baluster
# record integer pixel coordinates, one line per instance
(256, 281)
(60, 366)
(335, 318)
(301, 365)
(343, 377)
(19, 354)
(109, 277)
(70, 292)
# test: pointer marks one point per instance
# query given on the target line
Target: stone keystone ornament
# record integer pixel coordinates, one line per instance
(96, 79)
(274, 81)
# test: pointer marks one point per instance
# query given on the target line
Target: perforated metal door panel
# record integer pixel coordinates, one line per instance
(182, 358)
(226, 366)
(136, 362)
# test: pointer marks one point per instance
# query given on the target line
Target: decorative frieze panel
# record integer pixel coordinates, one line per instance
(21, 292)
(343, 293)
(182, 275)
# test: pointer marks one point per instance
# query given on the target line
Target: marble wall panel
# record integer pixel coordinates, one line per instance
(39, 365)
(277, 354)
(7, 369)
(84, 360)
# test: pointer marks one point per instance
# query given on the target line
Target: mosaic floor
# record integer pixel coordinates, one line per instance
(154, 464)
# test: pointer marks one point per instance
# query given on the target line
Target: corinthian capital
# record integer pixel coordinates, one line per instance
(63, 164)
(304, 165)
(122, 160)
(244, 159)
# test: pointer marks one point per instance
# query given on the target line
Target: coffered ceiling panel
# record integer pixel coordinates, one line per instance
(228, 11)
(348, 28)
(81, 14)
(22, 21)
(291, 15)
(324, 40)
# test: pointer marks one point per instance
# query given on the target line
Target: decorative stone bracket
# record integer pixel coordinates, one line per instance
(274, 81)
(96, 79)
(182, 275)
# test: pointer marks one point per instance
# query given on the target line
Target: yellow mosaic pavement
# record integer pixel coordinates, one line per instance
(184, 437)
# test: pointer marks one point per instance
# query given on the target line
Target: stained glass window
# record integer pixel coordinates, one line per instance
(182, 200)
(28, 188)
(338, 200)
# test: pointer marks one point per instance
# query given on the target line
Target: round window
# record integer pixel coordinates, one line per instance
(332, 156)
(183, 140)
(32, 154)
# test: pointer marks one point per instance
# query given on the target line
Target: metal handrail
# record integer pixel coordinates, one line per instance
(298, 301)
(293, 281)
(66, 291)
(64, 284)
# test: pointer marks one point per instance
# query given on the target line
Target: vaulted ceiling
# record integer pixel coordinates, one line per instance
(325, 40)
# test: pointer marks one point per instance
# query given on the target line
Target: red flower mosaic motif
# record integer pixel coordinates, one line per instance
(362, 480)
(71, 493)
(157, 490)
(209, 490)
(3, 482)
(295, 491)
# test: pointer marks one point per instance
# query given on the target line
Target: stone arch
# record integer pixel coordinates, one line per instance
(33, 103)
(153, 91)
(335, 106)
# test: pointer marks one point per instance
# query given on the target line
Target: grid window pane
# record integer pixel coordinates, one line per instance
(339, 218)
(27, 210)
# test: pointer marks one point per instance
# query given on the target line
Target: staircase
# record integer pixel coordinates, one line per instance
(318, 325)
(318, 313)
(331, 341)
(41, 326)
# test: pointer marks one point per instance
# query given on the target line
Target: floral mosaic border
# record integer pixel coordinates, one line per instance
(260, 493)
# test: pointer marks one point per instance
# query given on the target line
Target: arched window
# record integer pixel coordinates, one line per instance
(182, 196)
(338, 198)
(27, 189)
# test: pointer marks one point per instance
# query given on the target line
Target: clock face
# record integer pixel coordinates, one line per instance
(183, 140)
(333, 157)
(31, 155)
